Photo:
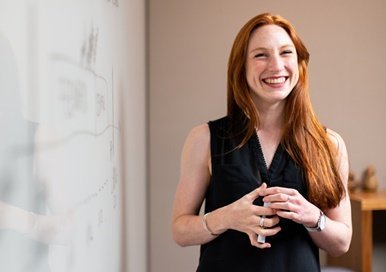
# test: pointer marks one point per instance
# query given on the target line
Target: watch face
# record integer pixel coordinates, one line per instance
(322, 222)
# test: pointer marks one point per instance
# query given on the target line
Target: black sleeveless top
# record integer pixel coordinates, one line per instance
(236, 172)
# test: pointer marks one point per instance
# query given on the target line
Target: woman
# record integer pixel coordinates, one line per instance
(270, 149)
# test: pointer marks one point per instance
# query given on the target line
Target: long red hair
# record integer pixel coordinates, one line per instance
(304, 137)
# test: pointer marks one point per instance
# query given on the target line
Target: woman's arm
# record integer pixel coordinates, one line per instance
(187, 226)
(242, 215)
(335, 238)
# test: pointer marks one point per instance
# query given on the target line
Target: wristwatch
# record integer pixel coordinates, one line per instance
(320, 225)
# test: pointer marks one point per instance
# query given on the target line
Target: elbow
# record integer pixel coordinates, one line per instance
(345, 247)
(339, 250)
(341, 247)
(178, 237)
(179, 241)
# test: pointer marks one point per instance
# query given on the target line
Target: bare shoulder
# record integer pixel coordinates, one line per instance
(195, 160)
(342, 155)
(198, 141)
(199, 134)
(337, 140)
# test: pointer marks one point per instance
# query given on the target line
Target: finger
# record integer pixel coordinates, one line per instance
(269, 222)
(289, 215)
(253, 240)
(280, 195)
(284, 214)
(282, 205)
(267, 231)
(278, 190)
(264, 232)
(264, 211)
(261, 211)
(278, 199)
(262, 246)
(257, 192)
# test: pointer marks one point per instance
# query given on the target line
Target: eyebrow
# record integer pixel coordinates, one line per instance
(265, 49)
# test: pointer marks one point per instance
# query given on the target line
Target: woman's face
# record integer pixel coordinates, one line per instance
(271, 65)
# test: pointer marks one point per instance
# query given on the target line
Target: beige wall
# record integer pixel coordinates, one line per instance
(189, 43)
(134, 155)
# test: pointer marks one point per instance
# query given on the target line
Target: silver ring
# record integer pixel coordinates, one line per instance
(288, 199)
(261, 222)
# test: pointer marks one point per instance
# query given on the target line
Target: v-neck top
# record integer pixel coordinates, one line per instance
(236, 172)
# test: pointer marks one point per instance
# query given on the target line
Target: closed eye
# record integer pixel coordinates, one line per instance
(260, 55)
(287, 52)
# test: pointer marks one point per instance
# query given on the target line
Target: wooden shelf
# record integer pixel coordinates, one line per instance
(370, 201)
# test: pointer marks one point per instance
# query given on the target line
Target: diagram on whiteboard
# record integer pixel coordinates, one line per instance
(70, 71)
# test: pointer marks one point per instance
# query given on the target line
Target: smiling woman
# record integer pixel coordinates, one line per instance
(271, 66)
(270, 149)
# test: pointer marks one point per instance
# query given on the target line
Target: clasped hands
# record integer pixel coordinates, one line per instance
(254, 220)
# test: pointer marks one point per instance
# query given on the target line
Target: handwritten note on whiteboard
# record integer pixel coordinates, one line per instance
(60, 184)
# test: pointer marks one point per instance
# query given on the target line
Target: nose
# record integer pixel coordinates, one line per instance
(276, 63)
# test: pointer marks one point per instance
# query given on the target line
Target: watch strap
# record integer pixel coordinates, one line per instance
(320, 225)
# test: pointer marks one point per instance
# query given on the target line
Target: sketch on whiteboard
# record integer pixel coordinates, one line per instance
(70, 205)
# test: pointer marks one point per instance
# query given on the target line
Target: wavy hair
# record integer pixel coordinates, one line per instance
(304, 137)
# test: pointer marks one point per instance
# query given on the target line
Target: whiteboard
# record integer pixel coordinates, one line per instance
(60, 183)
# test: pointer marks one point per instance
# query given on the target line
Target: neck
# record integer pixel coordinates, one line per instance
(271, 118)
(270, 113)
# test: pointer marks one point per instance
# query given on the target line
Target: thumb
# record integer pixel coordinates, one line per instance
(257, 192)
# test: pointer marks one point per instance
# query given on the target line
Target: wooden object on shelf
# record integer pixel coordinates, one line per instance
(370, 181)
(353, 184)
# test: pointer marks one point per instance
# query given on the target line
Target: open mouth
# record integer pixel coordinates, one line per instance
(275, 80)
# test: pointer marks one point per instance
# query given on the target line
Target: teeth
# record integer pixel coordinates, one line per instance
(275, 80)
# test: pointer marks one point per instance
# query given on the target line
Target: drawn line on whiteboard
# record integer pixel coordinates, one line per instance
(63, 58)
(31, 148)
(53, 144)
(90, 197)
(99, 191)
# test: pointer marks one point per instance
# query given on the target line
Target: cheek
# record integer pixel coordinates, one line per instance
(251, 75)
(253, 72)
(296, 76)
(295, 73)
